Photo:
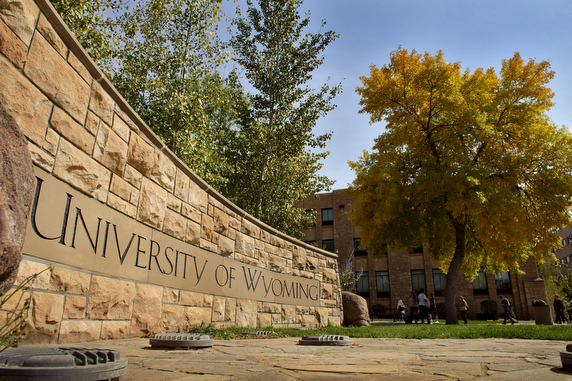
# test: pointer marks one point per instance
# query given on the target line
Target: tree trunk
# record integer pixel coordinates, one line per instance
(454, 269)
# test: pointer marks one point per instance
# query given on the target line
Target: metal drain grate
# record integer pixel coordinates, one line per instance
(181, 341)
(56, 364)
(334, 340)
(258, 333)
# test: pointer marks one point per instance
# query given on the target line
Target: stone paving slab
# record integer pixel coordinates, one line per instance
(366, 359)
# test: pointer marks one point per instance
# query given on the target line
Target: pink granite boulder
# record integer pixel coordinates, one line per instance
(16, 194)
(356, 312)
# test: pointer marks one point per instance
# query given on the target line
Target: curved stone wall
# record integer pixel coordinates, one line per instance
(134, 241)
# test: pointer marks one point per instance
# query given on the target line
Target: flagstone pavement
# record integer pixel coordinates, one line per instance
(365, 359)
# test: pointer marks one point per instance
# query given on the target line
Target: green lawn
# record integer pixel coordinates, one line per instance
(474, 330)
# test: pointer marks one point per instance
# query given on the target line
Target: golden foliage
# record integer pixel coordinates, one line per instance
(468, 161)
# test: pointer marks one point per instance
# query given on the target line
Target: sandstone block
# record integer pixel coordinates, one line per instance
(115, 330)
(110, 299)
(74, 307)
(174, 203)
(288, 314)
(308, 321)
(312, 263)
(152, 202)
(46, 29)
(275, 263)
(182, 183)
(225, 246)
(189, 298)
(246, 311)
(78, 66)
(197, 316)
(197, 197)
(230, 310)
(140, 155)
(121, 205)
(69, 281)
(91, 123)
(329, 276)
(193, 233)
(244, 244)
(207, 300)
(11, 46)
(321, 316)
(101, 103)
(110, 150)
(191, 213)
(173, 319)
(24, 102)
(170, 295)
(51, 142)
(220, 221)
(174, 224)
(163, 171)
(29, 268)
(41, 158)
(327, 290)
(133, 176)
(218, 309)
(20, 16)
(264, 320)
(249, 228)
(207, 228)
(71, 130)
(146, 308)
(47, 311)
(120, 187)
(73, 331)
(79, 170)
(59, 81)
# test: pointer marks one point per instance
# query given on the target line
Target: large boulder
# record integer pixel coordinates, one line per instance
(16, 194)
(355, 310)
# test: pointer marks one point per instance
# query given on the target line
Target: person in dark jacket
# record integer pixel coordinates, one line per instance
(506, 308)
(559, 309)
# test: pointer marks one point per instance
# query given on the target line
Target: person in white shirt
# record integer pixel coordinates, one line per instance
(423, 306)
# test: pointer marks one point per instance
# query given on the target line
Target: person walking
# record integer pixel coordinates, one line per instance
(559, 310)
(423, 306)
(414, 306)
(464, 307)
(506, 308)
(433, 308)
(400, 310)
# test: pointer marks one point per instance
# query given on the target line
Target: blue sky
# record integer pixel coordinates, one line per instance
(476, 33)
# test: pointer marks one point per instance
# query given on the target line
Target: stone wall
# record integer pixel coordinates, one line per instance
(104, 177)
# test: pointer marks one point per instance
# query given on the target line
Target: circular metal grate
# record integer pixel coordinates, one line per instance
(56, 364)
(258, 333)
(181, 341)
(334, 340)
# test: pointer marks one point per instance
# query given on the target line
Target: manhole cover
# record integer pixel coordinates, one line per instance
(259, 333)
(181, 341)
(57, 364)
(566, 358)
(325, 340)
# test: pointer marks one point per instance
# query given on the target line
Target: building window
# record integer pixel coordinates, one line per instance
(359, 251)
(328, 244)
(418, 250)
(440, 282)
(503, 283)
(417, 279)
(362, 285)
(480, 284)
(570, 239)
(327, 217)
(382, 282)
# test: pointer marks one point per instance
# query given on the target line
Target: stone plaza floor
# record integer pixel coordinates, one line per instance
(365, 359)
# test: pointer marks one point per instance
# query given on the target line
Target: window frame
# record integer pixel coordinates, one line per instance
(364, 282)
(385, 276)
(327, 222)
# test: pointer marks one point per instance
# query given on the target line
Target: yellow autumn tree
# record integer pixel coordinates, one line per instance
(469, 163)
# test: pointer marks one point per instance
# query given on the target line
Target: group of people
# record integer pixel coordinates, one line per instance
(421, 308)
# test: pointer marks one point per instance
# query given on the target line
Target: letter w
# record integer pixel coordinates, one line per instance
(249, 279)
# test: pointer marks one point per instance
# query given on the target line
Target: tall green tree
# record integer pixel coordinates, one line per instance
(94, 23)
(167, 71)
(275, 165)
(469, 163)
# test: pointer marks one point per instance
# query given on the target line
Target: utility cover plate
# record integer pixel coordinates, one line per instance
(181, 341)
(335, 340)
(57, 364)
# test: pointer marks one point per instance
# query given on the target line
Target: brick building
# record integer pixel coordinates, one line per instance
(392, 278)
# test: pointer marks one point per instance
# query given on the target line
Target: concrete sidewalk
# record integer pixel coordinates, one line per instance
(366, 359)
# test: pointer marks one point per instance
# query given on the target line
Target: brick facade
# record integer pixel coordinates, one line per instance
(399, 264)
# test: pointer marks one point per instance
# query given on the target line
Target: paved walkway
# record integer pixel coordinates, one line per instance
(283, 359)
